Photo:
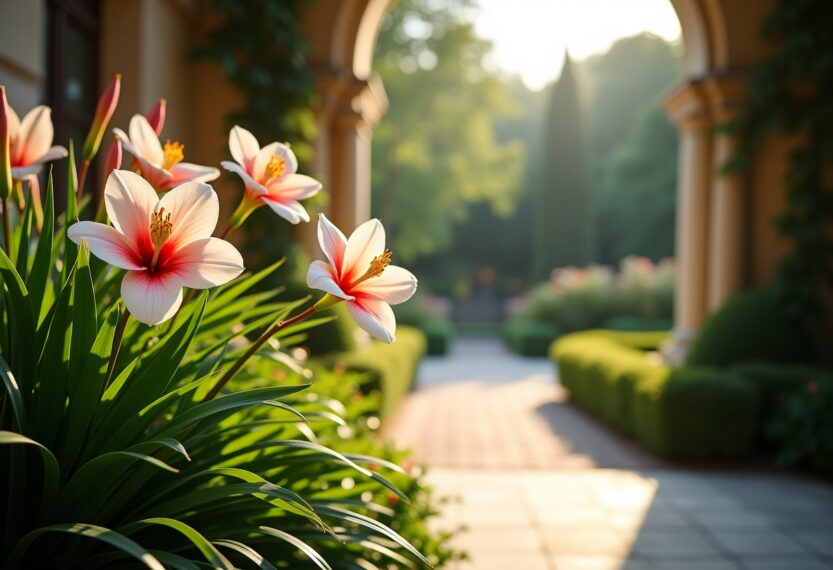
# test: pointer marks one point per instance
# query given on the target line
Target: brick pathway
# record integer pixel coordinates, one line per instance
(540, 485)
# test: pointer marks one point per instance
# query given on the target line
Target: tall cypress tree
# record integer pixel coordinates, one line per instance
(562, 217)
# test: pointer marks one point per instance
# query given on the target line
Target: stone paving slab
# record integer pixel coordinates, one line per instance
(540, 485)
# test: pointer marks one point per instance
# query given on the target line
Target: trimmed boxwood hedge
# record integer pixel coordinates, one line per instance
(696, 413)
(529, 337)
(389, 368)
(750, 326)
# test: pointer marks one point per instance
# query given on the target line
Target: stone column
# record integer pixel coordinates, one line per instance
(728, 225)
(350, 109)
(687, 107)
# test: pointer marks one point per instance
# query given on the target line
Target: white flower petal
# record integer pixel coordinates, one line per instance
(396, 285)
(23, 172)
(243, 146)
(290, 210)
(194, 210)
(251, 184)
(54, 153)
(145, 139)
(332, 242)
(13, 122)
(267, 153)
(186, 172)
(152, 298)
(105, 242)
(295, 187)
(206, 263)
(363, 245)
(34, 136)
(374, 316)
(320, 276)
(130, 200)
(157, 176)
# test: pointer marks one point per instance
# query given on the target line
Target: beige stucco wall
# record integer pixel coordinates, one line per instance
(23, 51)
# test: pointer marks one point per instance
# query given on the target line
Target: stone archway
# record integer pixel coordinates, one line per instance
(725, 242)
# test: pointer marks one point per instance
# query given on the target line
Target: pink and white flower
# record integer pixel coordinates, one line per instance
(159, 164)
(358, 271)
(271, 177)
(164, 245)
(30, 141)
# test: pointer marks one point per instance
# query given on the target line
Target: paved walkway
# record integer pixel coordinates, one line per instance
(540, 485)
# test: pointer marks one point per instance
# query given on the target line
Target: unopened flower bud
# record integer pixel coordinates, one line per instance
(103, 113)
(5, 147)
(114, 158)
(156, 116)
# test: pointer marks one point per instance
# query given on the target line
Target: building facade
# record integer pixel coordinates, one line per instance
(64, 51)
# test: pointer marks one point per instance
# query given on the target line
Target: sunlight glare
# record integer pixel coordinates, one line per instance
(529, 36)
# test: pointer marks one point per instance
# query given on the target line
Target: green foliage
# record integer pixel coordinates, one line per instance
(101, 468)
(685, 413)
(338, 335)
(528, 337)
(262, 50)
(749, 326)
(636, 198)
(562, 222)
(387, 368)
(435, 152)
(419, 313)
(802, 426)
(696, 413)
(792, 92)
(585, 298)
(775, 383)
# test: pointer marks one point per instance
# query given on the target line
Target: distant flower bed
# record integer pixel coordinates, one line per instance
(639, 296)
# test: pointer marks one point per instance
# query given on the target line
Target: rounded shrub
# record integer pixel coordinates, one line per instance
(750, 326)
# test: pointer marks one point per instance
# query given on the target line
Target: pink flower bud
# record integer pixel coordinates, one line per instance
(5, 154)
(156, 116)
(114, 157)
(103, 113)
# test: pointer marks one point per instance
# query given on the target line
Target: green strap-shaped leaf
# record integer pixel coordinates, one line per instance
(174, 561)
(51, 470)
(148, 383)
(305, 548)
(23, 234)
(208, 550)
(15, 398)
(70, 217)
(92, 484)
(374, 525)
(237, 287)
(225, 404)
(101, 533)
(42, 265)
(22, 348)
(246, 551)
(85, 395)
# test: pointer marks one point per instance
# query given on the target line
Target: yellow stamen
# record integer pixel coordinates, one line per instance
(160, 230)
(377, 266)
(275, 167)
(172, 154)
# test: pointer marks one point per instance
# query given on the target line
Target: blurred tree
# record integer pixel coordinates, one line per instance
(631, 147)
(562, 223)
(436, 151)
(637, 194)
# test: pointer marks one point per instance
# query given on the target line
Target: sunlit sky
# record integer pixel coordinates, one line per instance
(529, 36)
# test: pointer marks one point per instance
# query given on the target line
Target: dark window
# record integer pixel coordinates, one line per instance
(72, 80)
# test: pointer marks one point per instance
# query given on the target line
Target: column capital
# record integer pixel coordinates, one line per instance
(726, 94)
(348, 100)
(687, 105)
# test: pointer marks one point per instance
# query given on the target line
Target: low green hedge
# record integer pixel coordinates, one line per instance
(438, 334)
(389, 368)
(529, 337)
(749, 326)
(687, 413)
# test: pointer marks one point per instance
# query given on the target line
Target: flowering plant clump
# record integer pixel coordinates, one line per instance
(126, 442)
